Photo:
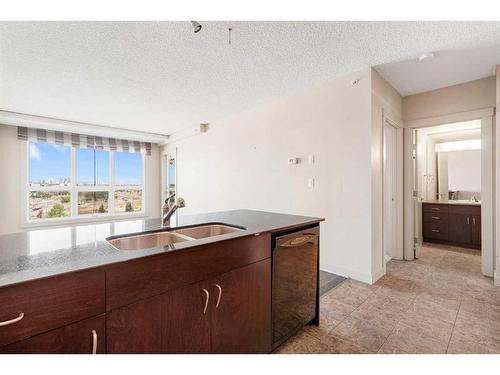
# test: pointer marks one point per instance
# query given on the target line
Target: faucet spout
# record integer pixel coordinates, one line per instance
(169, 208)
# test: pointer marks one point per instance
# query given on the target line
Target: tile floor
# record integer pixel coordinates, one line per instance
(328, 281)
(439, 303)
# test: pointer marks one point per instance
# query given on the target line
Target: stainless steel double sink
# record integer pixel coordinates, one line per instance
(169, 236)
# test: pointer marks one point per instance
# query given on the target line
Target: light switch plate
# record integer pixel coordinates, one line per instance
(311, 159)
(310, 182)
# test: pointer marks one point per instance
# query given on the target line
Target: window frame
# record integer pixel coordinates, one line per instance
(74, 189)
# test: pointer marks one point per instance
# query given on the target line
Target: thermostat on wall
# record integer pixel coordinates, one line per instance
(293, 161)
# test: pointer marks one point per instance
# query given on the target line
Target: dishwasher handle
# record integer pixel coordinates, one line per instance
(298, 241)
(298, 238)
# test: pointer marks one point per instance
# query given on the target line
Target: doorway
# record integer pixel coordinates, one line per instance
(449, 169)
(169, 184)
(390, 174)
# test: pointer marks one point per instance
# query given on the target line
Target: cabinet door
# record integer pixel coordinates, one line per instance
(187, 320)
(84, 337)
(136, 328)
(476, 230)
(460, 228)
(241, 310)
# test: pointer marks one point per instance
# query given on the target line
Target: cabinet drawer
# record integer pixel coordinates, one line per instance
(41, 305)
(83, 337)
(437, 231)
(465, 210)
(139, 279)
(436, 217)
(435, 207)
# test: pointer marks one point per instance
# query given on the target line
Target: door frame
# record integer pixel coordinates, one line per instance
(165, 156)
(390, 119)
(487, 180)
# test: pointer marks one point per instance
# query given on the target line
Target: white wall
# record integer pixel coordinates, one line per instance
(427, 165)
(10, 167)
(241, 162)
(496, 189)
(450, 100)
(464, 170)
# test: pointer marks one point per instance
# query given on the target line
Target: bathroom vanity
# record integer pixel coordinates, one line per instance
(456, 223)
(202, 287)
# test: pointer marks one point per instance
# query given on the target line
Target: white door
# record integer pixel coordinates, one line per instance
(417, 197)
(390, 190)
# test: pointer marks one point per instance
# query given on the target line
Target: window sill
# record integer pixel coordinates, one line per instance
(46, 223)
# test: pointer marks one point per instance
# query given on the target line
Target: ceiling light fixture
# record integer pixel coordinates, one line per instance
(426, 57)
(196, 26)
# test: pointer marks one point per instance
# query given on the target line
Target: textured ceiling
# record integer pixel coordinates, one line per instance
(161, 77)
(449, 67)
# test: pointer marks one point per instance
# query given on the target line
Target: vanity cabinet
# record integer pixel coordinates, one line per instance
(454, 224)
(476, 230)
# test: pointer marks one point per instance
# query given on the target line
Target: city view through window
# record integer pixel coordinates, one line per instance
(105, 182)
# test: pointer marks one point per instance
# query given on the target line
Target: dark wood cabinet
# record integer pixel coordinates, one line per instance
(136, 328)
(453, 224)
(227, 314)
(187, 319)
(42, 305)
(85, 337)
(241, 311)
(476, 230)
(214, 298)
(460, 231)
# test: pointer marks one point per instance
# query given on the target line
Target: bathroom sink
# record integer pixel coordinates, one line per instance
(209, 230)
(146, 241)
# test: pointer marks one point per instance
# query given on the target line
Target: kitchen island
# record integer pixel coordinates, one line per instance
(68, 290)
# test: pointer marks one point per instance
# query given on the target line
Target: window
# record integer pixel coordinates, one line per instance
(71, 182)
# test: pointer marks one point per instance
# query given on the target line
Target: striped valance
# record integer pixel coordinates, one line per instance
(82, 141)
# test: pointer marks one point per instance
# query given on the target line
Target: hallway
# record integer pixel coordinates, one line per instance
(439, 303)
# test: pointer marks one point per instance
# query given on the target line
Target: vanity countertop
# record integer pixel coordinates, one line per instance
(41, 253)
(454, 202)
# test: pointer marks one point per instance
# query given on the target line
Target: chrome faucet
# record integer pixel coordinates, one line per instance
(169, 207)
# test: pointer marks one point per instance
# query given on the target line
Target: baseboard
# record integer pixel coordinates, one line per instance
(377, 275)
(346, 272)
(496, 279)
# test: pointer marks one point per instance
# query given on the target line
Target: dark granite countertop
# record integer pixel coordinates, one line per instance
(47, 252)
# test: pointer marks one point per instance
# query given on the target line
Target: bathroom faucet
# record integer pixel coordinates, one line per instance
(169, 207)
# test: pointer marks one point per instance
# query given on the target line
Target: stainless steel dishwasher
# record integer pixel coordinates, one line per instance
(295, 282)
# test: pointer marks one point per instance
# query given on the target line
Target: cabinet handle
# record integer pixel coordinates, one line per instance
(219, 296)
(468, 220)
(12, 321)
(435, 230)
(435, 209)
(474, 220)
(207, 295)
(94, 341)
(436, 217)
